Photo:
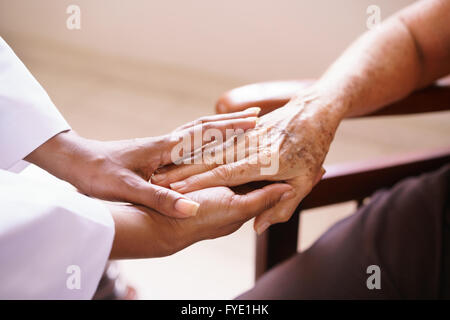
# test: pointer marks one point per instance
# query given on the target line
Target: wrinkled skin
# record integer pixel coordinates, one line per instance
(301, 132)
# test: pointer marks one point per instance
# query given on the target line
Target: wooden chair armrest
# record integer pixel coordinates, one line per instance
(355, 181)
(274, 94)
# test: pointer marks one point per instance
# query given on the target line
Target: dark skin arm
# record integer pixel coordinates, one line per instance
(121, 170)
(144, 233)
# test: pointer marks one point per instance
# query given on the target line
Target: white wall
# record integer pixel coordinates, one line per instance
(247, 40)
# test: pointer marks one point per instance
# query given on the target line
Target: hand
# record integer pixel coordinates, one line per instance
(143, 233)
(299, 134)
(121, 170)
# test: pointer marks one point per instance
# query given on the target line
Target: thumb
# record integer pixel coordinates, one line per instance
(192, 138)
(259, 200)
(165, 201)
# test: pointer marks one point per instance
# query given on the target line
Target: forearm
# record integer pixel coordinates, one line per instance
(59, 155)
(139, 233)
(388, 62)
(379, 68)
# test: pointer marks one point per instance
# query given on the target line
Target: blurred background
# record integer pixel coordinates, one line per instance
(142, 67)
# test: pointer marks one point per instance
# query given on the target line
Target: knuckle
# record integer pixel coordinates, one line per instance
(99, 160)
(240, 209)
(160, 197)
(268, 203)
(269, 200)
(194, 181)
(210, 165)
(223, 173)
(128, 180)
(283, 217)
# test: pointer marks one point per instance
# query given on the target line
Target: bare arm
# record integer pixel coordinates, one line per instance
(406, 52)
(120, 170)
(143, 233)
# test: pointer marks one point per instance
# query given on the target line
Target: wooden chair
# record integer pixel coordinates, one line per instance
(341, 183)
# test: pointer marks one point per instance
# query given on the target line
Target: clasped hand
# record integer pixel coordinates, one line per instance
(155, 224)
(300, 134)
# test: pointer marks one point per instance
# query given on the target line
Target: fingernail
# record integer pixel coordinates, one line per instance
(187, 207)
(287, 195)
(262, 227)
(159, 177)
(256, 110)
(177, 185)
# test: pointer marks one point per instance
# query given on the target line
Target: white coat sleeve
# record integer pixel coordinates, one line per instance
(54, 242)
(28, 118)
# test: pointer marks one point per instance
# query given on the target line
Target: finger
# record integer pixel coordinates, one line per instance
(249, 112)
(165, 201)
(282, 212)
(211, 156)
(182, 143)
(173, 173)
(257, 201)
(231, 174)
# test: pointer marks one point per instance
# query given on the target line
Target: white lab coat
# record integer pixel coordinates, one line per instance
(54, 242)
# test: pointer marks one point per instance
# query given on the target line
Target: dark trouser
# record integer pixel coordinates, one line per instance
(405, 231)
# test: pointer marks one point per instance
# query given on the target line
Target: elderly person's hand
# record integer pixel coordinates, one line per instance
(407, 52)
(121, 170)
(144, 233)
(293, 143)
